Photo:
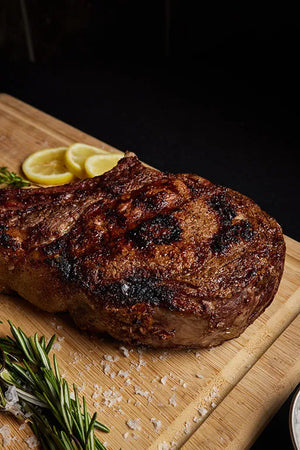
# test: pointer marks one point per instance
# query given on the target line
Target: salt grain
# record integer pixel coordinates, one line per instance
(163, 446)
(134, 424)
(187, 427)
(198, 375)
(5, 432)
(125, 351)
(163, 380)
(111, 397)
(11, 395)
(172, 400)
(202, 411)
(123, 373)
(56, 346)
(156, 423)
(32, 441)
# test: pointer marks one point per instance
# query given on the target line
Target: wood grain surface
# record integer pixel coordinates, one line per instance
(217, 398)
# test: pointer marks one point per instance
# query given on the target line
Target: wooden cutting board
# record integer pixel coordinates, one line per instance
(218, 398)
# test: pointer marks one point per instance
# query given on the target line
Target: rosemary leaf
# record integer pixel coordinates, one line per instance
(12, 179)
(58, 421)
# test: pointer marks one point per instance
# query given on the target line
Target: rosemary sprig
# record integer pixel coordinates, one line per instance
(12, 179)
(55, 415)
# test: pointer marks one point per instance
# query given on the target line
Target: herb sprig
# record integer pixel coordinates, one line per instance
(54, 414)
(12, 179)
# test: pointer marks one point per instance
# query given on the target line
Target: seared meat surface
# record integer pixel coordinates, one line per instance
(148, 257)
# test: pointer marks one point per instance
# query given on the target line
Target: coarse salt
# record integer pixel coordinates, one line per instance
(32, 441)
(202, 411)
(163, 446)
(156, 423)
(163, 380)
(5, 432)
(56, 346)
(123, 373)
(187, 427)
(134, 424)
(172, 400)
(125, 351)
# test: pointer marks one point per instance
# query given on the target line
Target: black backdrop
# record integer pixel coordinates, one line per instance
(212, 90)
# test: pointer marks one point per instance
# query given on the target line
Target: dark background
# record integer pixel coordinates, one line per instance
(209, 89)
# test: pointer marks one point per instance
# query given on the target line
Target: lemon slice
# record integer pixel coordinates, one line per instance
(98, 164)
(47, 167)
(76, 155)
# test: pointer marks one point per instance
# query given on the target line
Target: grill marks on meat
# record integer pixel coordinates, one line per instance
(161, 259)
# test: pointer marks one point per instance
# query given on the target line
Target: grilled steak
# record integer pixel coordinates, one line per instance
(148, 257)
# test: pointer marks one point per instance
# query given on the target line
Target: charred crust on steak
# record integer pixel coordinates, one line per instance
(163, 229)
(137, 289)
(222, 206)
(230, 234)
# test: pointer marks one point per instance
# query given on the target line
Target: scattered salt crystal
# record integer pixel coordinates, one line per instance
(127, 382)
(222, 440)
(11, 395)
(163, 446)
(198, 354)
(213, 404)
(22, 426)
(172, 400)
(141, 392)
(187, 427)
(184, 385)
(156, 423)
(134, 424)
(125, 351)
(126, 435)
(174, 388)
(60, 338)
(111, 358)
(32, 441)
(138, 403)
(112, 375)
(196, 419)
(96, 394)
(96, 404)
(56, 346)
(123, 373)
(5, 432)
(198, 375)
(106, 368)
(163, 380)
(59, 327)
(81, 388)
(202, 411)
(135, 436)
(111, 397)
(163, 356)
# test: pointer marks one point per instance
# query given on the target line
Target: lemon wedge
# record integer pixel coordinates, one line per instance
(47, 167)
(99, 164)
(76, 155)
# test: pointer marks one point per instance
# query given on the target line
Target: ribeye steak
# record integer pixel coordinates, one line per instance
(148, 257)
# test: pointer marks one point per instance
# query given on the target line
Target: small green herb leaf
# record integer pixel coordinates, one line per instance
(12, 179)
